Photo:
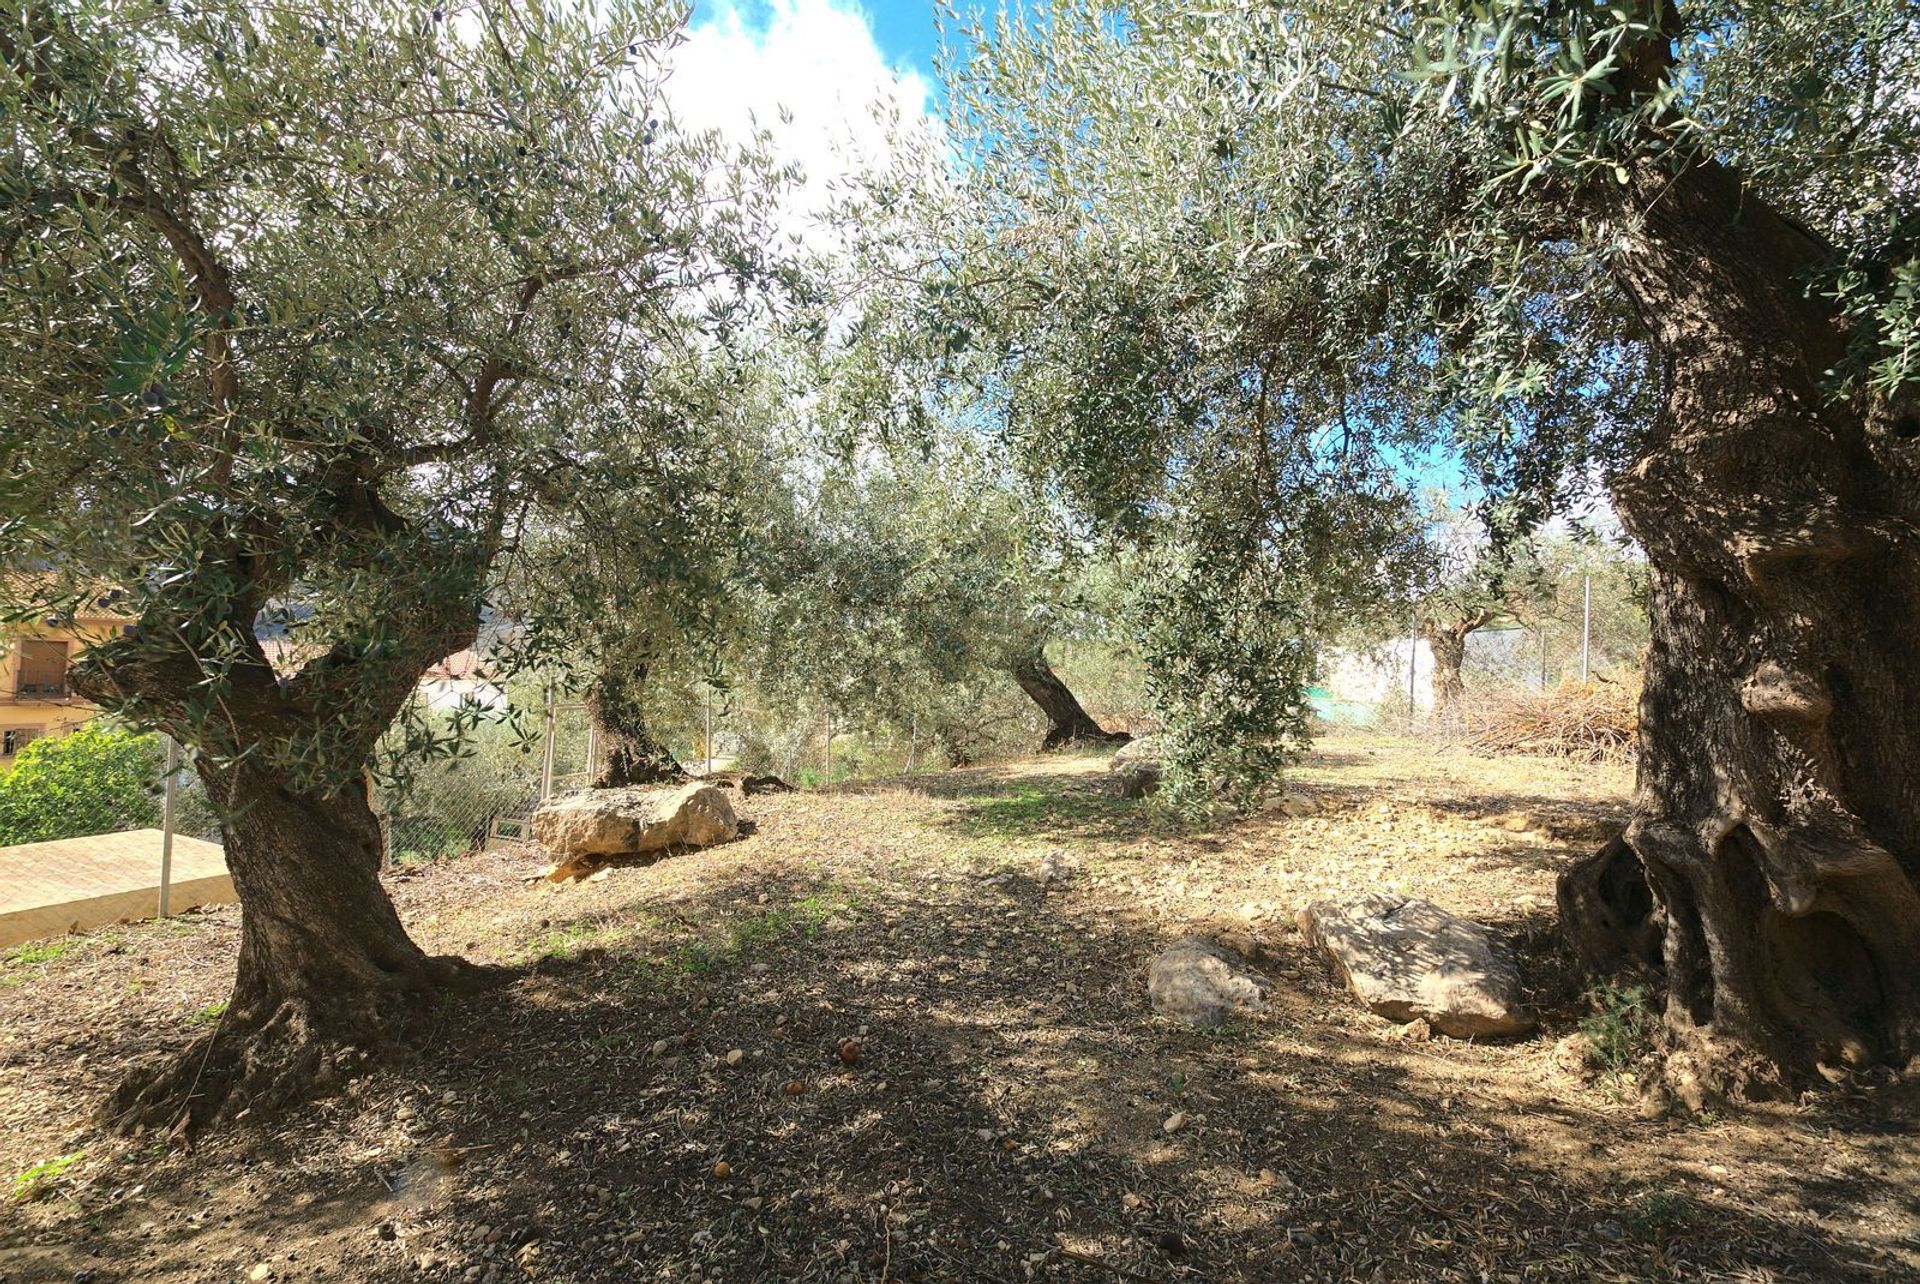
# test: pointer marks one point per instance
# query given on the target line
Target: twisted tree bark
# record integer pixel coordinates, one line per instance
(631, 753)
(1776, 818)
(326, 974)
(1067, 721)
(1447, 640)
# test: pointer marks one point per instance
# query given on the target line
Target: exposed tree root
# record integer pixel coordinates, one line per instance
(274, 1052)
(1782, 968)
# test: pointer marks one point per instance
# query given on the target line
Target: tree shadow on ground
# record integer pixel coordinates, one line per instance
(1008, 1100)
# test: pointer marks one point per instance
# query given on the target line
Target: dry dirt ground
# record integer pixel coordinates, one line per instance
(1006, 1116)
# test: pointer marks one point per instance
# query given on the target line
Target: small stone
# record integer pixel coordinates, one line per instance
(723, 1170)
(1200, 981)
(1131, 1201)
(850, 1052)
(794, 1088)
(261, 1271)
(659, 1047)
(1174, 1123)
(735, 1057)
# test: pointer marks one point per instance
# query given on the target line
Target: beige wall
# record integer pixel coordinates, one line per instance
(32, 714)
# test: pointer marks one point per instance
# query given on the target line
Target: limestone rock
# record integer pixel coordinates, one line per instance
(1410, 960)
(1293, 803)
(1147, 750)
(589, 828)
(1136, 767)
(1202, 982)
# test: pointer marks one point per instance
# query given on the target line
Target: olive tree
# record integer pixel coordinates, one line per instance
(1664, 248)
(309, 313)
(917, 579)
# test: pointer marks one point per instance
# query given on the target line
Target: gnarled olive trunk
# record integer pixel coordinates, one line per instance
(629, 753)
(326, 972)
(1776, 818)
(1447, 641)
(1067, 722)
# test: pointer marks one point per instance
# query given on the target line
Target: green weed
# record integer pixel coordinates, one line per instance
(45, 1177)
(511, 1088)
(41, 951)
(211, 1014)
(1660, 1210)
(1621, 1024)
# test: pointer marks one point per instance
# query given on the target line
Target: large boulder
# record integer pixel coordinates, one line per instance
(1202, 982)
(1410, 960)
(1135, 767)
(594, 827)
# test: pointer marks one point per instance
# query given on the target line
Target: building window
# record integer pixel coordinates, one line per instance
(43, 669)
(14, 739)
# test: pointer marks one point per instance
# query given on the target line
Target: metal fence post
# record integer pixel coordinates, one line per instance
(709, 728)
(1413, 664)
(829, 780)
(169, 785)
(546, 750)
(1586, 630)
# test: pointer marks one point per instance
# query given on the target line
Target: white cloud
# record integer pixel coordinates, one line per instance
(816, 59)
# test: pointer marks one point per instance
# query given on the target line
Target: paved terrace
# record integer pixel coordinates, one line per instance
(74, 884)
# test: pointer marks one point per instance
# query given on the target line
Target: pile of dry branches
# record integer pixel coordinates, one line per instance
(1590, 722)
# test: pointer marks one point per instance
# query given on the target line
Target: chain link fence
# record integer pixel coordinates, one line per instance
(1395, 685)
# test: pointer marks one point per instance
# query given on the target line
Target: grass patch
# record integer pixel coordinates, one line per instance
(803, 921)
(1659, 1211)
(211, 1014)
(45, 1177)
(568, 943)
(1029, 809)
(41, 951)
(511, 1088)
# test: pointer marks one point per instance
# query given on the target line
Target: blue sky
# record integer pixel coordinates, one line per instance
(903, 29)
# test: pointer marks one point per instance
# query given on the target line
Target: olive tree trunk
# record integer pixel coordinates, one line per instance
(1447, 640)
(1067, 722)
(1774, 848)
(630, 755)
(326, 972)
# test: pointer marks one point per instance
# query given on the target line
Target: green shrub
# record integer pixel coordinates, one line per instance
(1621, 1023)
(98, 780)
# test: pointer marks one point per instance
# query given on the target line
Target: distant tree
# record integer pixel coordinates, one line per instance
(641, 583)
(95, 780)
(1468, 587)
(309, 315)
(906, 580)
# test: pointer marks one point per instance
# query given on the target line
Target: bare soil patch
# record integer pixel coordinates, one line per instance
(946, 1070)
